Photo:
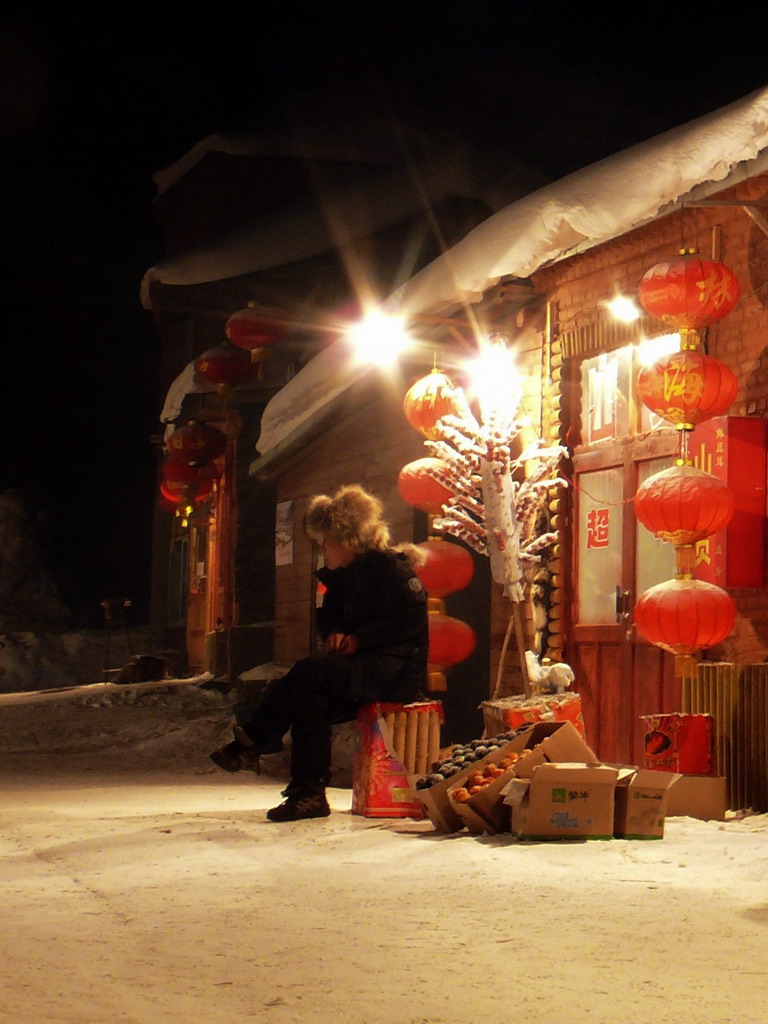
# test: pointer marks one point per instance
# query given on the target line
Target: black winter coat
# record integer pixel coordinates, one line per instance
(379, 599)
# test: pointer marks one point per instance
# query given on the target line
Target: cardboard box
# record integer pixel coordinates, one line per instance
(436, 801)
(698, 796)
(640, 803)
(544, 742)
(563, 801)
(679, 742)
(441, 809)
(475, 813)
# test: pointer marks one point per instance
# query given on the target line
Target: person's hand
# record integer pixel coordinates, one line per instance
(340, 643)
(333, 642)
(348, 644)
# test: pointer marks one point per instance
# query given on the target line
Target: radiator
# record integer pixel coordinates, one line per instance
(737, 698)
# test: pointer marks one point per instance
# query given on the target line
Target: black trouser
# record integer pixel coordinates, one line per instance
(313, 696)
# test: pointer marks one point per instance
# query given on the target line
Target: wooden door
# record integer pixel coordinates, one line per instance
(620, 677)
(198, 608)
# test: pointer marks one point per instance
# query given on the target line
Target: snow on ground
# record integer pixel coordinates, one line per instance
(165, 895)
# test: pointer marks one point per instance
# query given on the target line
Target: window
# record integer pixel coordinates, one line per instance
(607, 382)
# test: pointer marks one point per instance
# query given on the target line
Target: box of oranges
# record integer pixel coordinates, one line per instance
(477, 797)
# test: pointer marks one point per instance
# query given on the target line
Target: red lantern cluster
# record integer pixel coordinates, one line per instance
(448, 567)
(188, 474)
(683, 504)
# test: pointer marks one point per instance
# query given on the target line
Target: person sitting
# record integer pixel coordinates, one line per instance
(373, 623)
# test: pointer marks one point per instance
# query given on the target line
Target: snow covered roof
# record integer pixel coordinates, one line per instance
(595, 204)
(381, 200)
(582, 210)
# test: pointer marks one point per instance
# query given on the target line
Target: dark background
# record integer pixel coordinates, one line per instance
(94, 100)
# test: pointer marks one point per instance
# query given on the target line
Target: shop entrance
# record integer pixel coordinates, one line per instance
(619, 676)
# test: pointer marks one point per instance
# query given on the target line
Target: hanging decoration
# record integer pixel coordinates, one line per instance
(683, 616)
(252, 330)
(499, 503)
(688, 292)
(225, 366)
(448, 567)
(422, 484)
(451, 641)
(682, 505)
(197, 443)
(687, 387)
(183, 486)
(182, 495)
(184, 482)
(428, 400)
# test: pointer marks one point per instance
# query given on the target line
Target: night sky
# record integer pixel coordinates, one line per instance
(94, 100)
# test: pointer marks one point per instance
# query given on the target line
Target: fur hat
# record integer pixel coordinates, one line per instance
(352, 516)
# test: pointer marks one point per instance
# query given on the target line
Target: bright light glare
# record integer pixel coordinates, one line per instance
(651, 349)
(495, 380)
(378, 338)
(624, 309)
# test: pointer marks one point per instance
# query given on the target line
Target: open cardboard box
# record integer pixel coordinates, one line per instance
(640, 805)
(698, 796)
(443, 812)
(544, 742)
(563, 801)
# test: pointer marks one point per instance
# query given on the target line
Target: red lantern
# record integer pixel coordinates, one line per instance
(418, 486)
(448, 567)
(687, 388)
(428, 400)
(197, 443)
(685, 615)
(225, 366)
(182, 482)
(688, 292)
(450, 641)
(683, 504)
(251, 330)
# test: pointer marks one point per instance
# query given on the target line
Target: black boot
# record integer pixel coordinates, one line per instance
(242, 752)
(301, 802)
(229, 757)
